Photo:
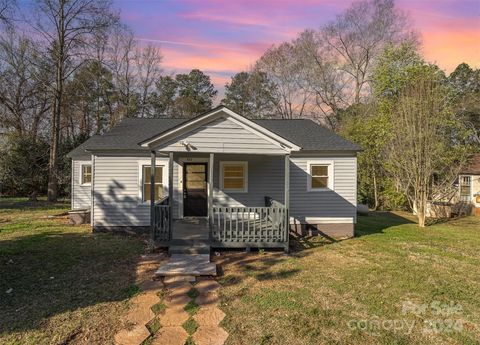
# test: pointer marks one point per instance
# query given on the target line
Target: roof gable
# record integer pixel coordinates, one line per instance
(222, 135)
(211, 118)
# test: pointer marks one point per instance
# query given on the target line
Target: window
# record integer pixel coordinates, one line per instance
(234, 176)
(320, 175)
(86, 176)
(158, 186)
(465, 187)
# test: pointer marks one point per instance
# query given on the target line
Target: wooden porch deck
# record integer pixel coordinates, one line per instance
(238, 228)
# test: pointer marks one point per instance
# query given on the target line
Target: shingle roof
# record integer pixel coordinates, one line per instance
(473, 165)
(130, 131)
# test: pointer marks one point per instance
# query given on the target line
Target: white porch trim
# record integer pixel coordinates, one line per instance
(329, 220)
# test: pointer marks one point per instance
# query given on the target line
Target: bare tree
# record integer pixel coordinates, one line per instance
(285, 66)
(65, 27)
(7, 9)
(122, 51)
(357, 36)
(327, 81)
(23, 96)
(423, 150)
(148, 68)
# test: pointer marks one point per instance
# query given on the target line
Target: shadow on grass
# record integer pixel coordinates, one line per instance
(24, 203)
(53, 272)
(258, 266)
(377, 222)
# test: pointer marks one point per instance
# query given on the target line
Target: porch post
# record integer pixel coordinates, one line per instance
(287, 203)
(170, 193)
(210, 190)
(153, 157)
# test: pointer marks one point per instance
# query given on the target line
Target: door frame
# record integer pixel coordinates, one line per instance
(181, 161)
(184, 177)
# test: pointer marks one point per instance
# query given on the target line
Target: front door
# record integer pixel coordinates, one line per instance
(195, 189)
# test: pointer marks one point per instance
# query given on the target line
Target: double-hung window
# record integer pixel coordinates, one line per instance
(320, 176)
(86, 174)
(465, 188)
(234, 176)
(146, 185)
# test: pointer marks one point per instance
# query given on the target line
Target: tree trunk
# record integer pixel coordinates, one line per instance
(58, 52)
(375, 191)
(421, 204)
(53, 158)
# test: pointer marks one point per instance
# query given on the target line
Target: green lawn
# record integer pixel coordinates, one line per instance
(66, 285)
(60, 284)
(352, 292)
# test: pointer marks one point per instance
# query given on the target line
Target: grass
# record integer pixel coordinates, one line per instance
(158, 308)
(355, 291)
(61, 284)
(65, 284)
(191, 308)
(190, 325)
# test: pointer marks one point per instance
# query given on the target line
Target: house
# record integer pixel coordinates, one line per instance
(469, 183)
(219, 178)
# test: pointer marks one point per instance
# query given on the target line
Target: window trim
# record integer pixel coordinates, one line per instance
(331, 175)
(468, 196)
(245, 176)
(80, 182)
(159, 163)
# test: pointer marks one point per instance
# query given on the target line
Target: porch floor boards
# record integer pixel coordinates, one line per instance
(190, 229)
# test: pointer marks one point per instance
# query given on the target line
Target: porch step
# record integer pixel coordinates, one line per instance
(195, 249)
(188, 265)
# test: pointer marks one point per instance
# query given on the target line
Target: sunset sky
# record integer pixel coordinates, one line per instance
(225, 37)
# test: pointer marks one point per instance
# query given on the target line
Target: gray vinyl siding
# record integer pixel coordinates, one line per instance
(265, 178)
(81, 195)
(339, 203)
(117, 199)
(222, 136)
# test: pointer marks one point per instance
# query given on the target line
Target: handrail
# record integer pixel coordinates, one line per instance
(251, 224)
(270, 202)
(161, 221)
(162, 201)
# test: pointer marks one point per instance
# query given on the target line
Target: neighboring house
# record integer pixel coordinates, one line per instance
(469, 183)
(220, 178)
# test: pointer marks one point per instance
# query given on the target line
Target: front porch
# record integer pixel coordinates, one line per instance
(265, 226)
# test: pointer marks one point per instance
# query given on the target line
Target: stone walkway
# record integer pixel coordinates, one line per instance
(191, 307)
(186, 312)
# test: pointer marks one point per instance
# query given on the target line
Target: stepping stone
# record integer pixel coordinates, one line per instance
(173, 317)
(170, 336)
(188, 265)
(172, 279)
(134, 336)
(139, 315)
(210, 335)
(208, 300)
(145, 300)
(207, 286)
(151, 285)
(176, 302)
(209, 316)
(178, 288)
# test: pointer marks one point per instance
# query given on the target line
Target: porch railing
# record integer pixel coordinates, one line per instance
(267, 224)
(161, 220)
